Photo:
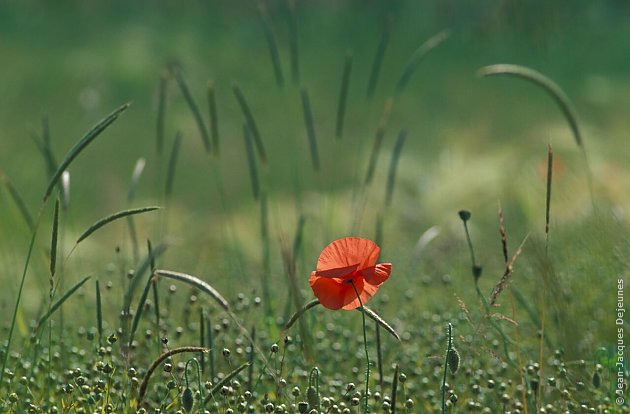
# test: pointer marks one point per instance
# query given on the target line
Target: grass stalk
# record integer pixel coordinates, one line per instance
(99, 313)
(61, 301)
(251, 161)
(417, 57)
(214, 118)
(249, 117)
(201, 125)
(379, 57)
(18, 201)
(272, 43)
(161, 111)
(81, 145)
(293, 40)
(310, 129)
(393, 164)
(113, 217)
(343, 95)
(172, 165)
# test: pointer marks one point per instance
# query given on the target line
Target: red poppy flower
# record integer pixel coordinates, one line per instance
(347, 261)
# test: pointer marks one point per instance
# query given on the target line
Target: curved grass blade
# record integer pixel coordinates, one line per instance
(102, 222)
(214, 118)
(368, 312)
(272, 43)
(61, 301)
(293, 41)
(378, 58)
(310, 129)
(249, 117)
(19, 201)
(417, 57)
(251, 161)
(556, 93)
(80, 146)
(156, 363)
(183, 86)
(65, 189)
(343, 95)
(161, 110)
(393, 164)
(198, 283)
(225, 380)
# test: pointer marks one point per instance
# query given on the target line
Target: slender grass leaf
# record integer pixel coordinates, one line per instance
(556, 93)
(80, 146)
(61, 301)
(99, 312)
(183, 86)
(19, 201)
(106, 220)
(310, 129)
(251, 161)
(53, 244)
(225, 380)
(198, 283)
(272, 43)
(161, 111)
(391, 176)
(249, 117)
(379, 57)
(293, 40)
(214, 118)
(172, 164)
(417, 57)
(343, 95)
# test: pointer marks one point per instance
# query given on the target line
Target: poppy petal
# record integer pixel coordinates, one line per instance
(347, 252)
(377, 274)
(338, 272)
(330, 292)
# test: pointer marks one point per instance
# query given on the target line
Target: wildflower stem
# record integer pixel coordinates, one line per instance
(367, 355)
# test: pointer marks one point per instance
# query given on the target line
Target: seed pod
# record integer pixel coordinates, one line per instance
(452, 359)
(187, 400)
(312, 397)
(597, 379)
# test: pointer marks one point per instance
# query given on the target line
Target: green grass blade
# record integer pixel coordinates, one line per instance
(293, 41)
(106, 220)
(249, 117)
(310, 129)
(19, 201)
(172, 164)
(140, 271)
(99, 313)
(214, 118)
(378, 140)
(417, 57)
(548, 195)
(272, 43)
(140, 308)
(556, 93)
(53, 246)
(251, 161)
(391, 176)
(225, 380)
(378, 58)
(161, 111)
(183, 86)
(80, 146)
(17, 304)
(61, 301)
(198, 283)
(343, 95)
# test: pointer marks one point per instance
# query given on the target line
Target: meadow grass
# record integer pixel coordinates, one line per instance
(463, 324)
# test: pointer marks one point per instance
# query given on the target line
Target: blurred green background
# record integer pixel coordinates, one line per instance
(472, 142)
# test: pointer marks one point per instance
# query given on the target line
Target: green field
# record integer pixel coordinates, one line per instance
(249, 210)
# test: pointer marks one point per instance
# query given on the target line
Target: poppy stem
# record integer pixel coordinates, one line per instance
(367, 355)
(448, 349)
